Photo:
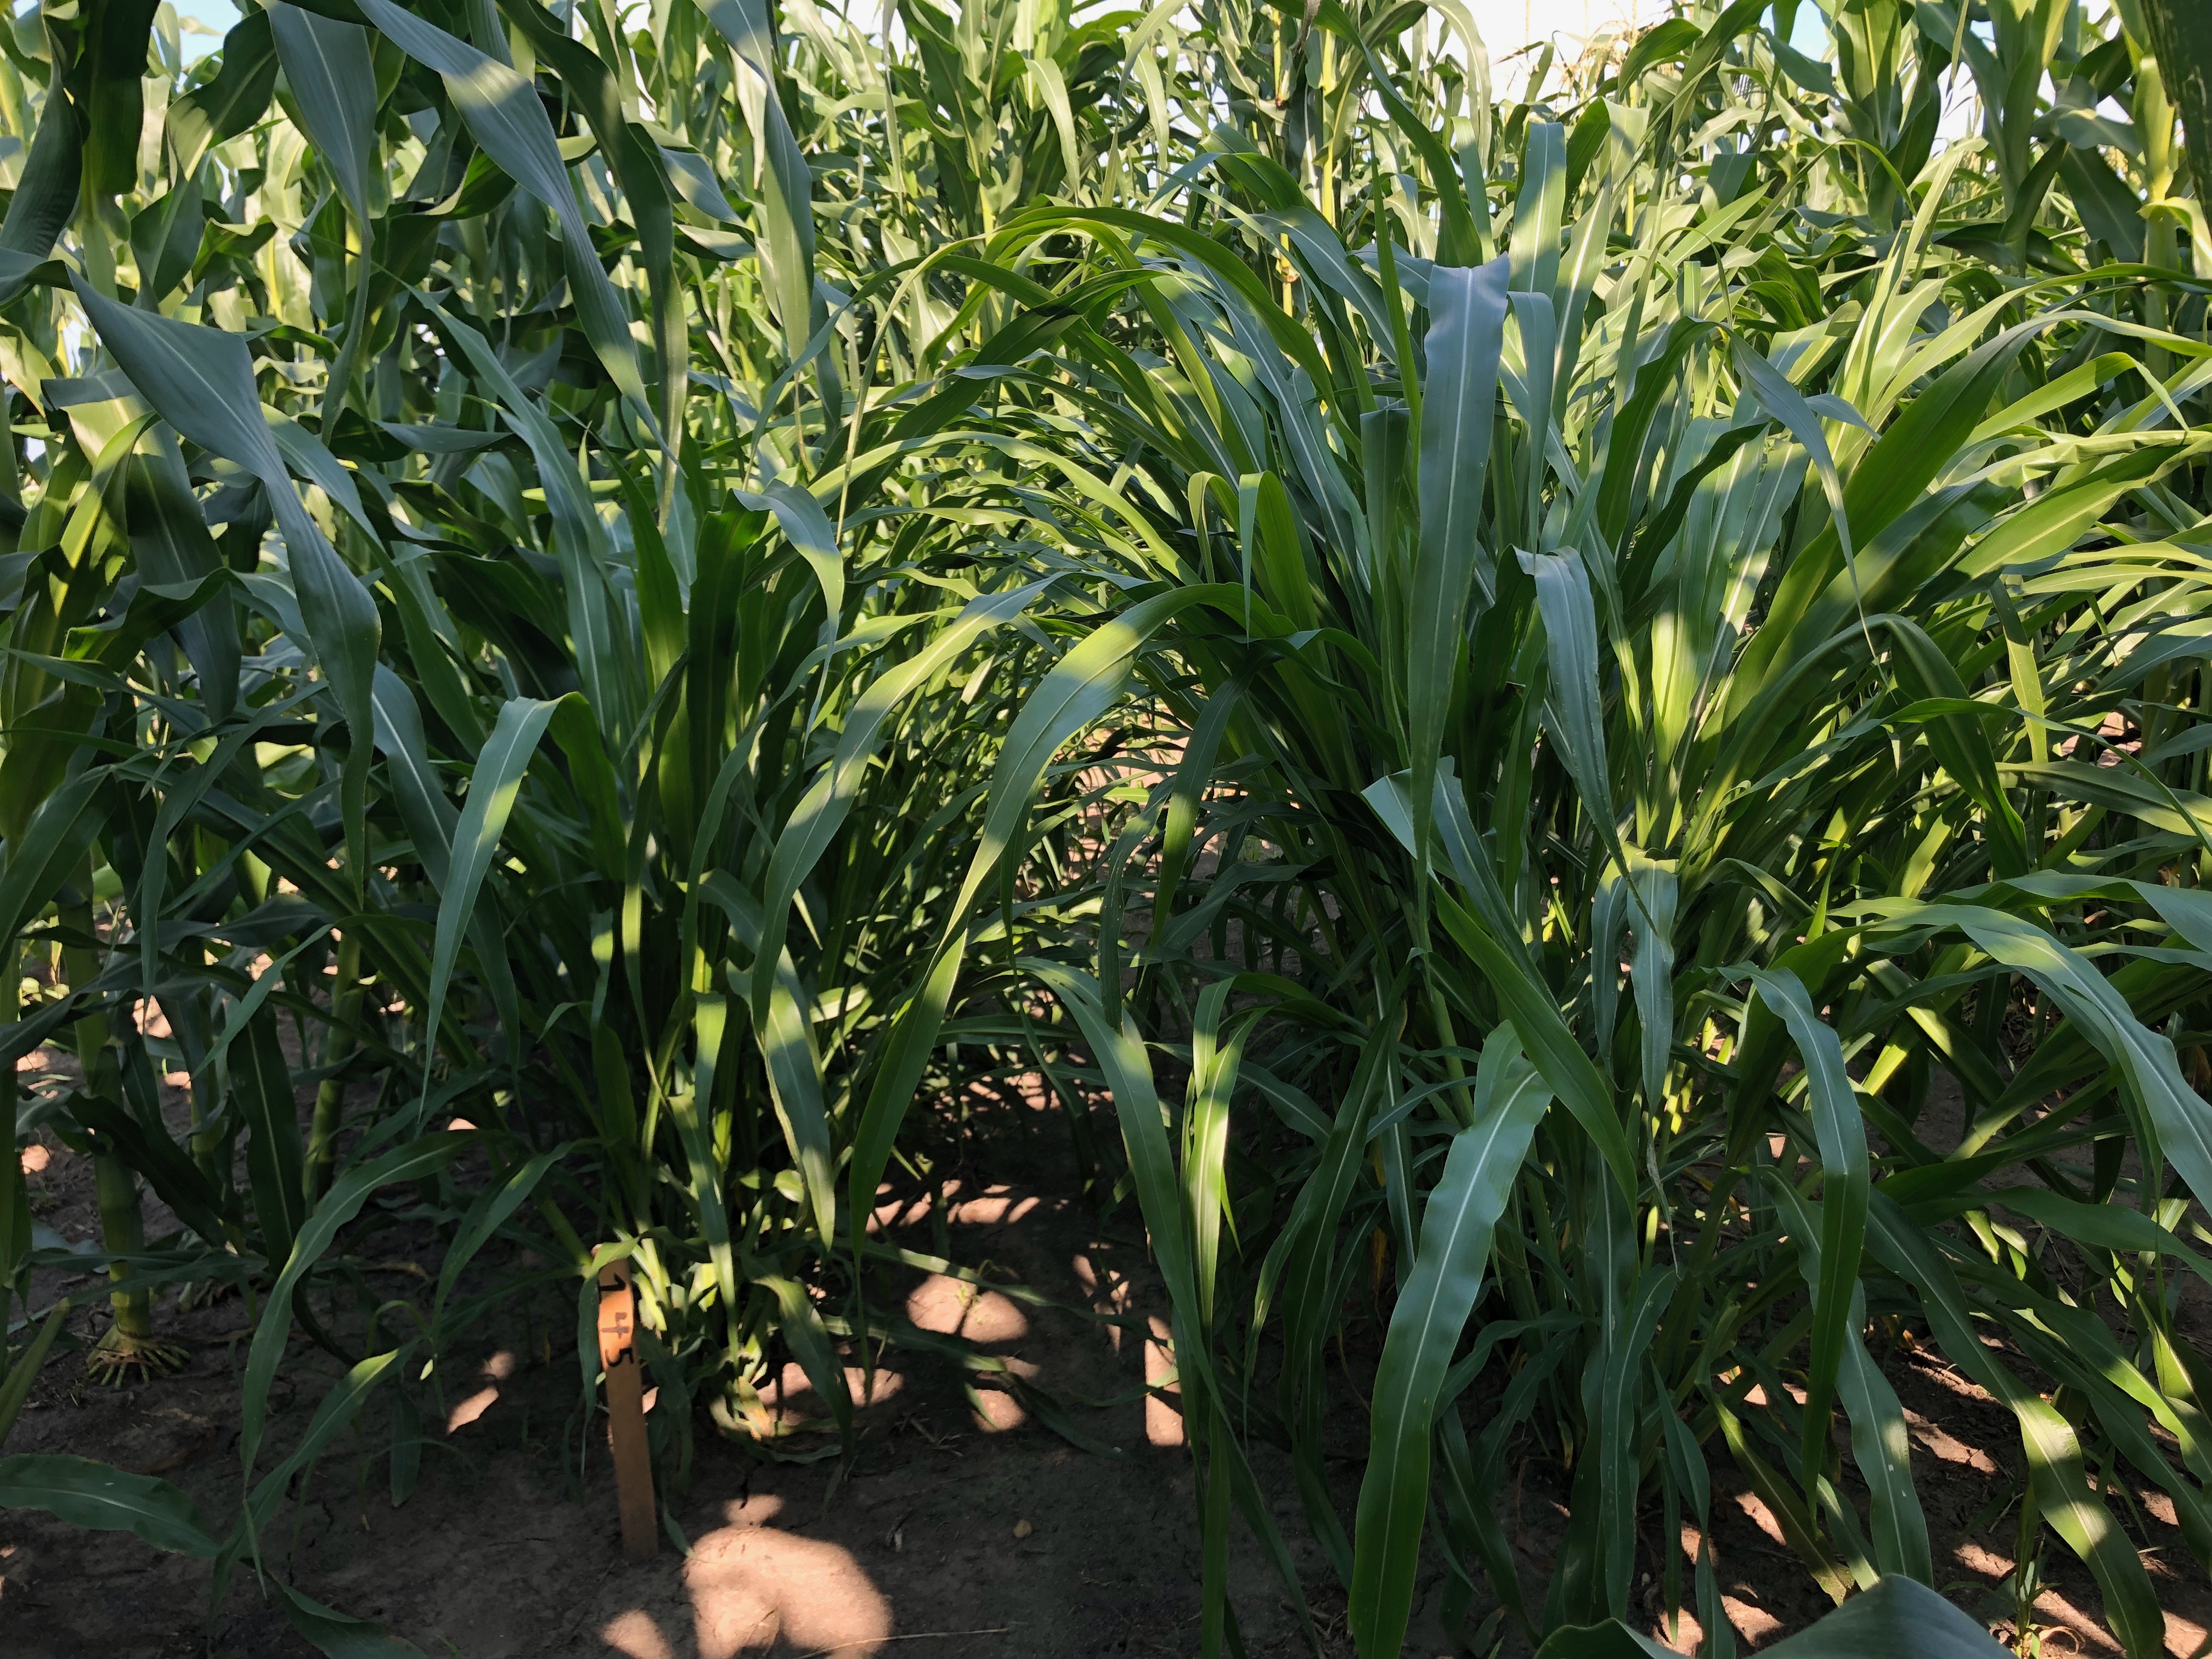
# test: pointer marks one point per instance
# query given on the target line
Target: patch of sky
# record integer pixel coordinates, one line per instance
(216, 17)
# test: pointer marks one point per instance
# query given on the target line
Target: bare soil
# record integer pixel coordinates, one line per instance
(961, 1525)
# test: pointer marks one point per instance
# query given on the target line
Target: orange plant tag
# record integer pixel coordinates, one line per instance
(626, 1409)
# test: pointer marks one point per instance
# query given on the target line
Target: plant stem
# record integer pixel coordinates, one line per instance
(330, 1095)
(122, 1229)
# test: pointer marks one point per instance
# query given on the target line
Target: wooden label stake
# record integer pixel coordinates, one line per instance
(626, 1410)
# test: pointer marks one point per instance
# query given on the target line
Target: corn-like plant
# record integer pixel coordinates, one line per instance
(1664, 670)
(576, 574)
(498, 639)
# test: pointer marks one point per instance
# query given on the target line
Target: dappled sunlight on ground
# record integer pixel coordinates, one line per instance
(1162, 1417)
(753, 1586)
(952, 1307)
(2058, 1616)
(499, 1368)
(635, 1636)
(997, 1412)
(793, 1400)
(1754, 1624)
(1946, 1448)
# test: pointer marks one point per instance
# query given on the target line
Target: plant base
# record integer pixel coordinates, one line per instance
(120, 1357)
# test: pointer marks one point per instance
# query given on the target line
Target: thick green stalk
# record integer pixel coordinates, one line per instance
(122, 1226)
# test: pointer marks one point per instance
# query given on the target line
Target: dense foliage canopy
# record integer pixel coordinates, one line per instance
(1524, 683)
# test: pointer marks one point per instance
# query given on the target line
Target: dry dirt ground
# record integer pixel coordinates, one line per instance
(961, 1526)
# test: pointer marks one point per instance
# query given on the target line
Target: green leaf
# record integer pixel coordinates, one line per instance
(1144, 1136)
(201, 380)
(579, 538)
(505, 117)
(786, 183)
(419, 1158)
(170, 540)
(23, 1371)
(47, 852)
(2056, 1465)
(2104, 1226)
(1896, 1616)
(2145, 1059)
(1459, 404)
(165, 1167)
(261, 1084)
(828, 800)
(1572, 709)
(107, 83)
(710, 1018)
(430, 816)
(492, 790)
(1431, 1311)
(223, 107)
(333, 82)
(1880, 1445)
(88, 1494)
(336, 1411)
(1609, 1640)
(1544, 1034)
(1082, 686)
(46, 196)
(1846, 1184)
(488, 1213)
(786, 1036)
(2178, 811)
(338, 1634)
(802, 1329)
(1883, 1451)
